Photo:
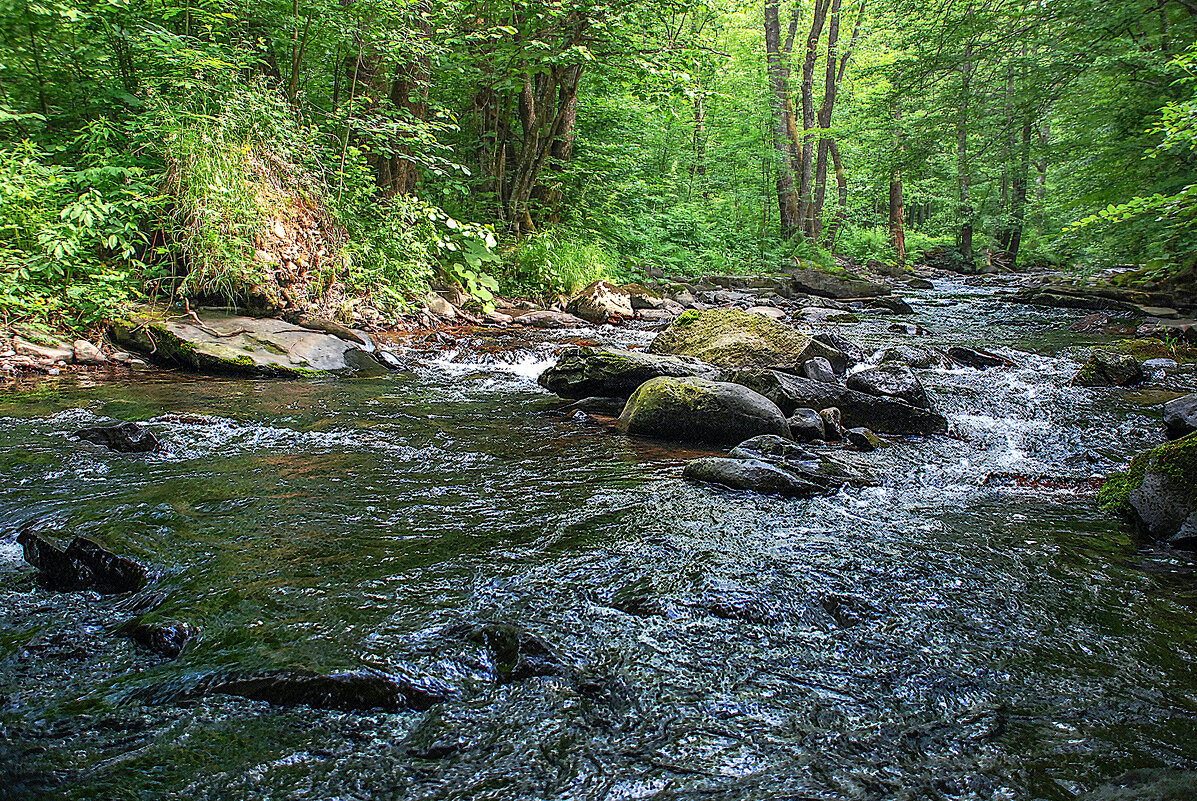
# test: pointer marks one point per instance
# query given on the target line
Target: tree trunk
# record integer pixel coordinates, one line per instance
(805, 169)
(784, 126)
(962, 158)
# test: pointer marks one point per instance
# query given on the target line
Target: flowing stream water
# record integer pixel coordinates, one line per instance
(972, 629)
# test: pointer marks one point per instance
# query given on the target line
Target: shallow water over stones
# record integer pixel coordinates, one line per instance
(969, 629)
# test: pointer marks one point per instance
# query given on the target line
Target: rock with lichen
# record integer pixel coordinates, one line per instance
(699, 410)
(1158, 493)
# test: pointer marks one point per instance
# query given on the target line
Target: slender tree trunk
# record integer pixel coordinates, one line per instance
(806, 145)
(897, 210)
(962, 158)
(784, 127)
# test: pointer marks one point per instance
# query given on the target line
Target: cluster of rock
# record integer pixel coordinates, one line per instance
(730, 377)
(32, 350)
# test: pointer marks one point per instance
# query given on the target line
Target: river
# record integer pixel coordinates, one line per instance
(971, 629)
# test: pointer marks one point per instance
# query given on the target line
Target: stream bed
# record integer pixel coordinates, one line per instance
(971, 629)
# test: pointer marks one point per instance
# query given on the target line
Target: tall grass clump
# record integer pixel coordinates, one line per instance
(558, 263)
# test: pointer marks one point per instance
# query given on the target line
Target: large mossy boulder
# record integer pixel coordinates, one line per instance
(884, 415)
(1158, 493)
(601, 302)
(699, 410)
(736, 338)
(219, 343)
(583, 372)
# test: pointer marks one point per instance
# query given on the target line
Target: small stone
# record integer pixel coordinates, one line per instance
(806, 425)
(771, 312)
(973, 357)
(1180, 416)
(819, 369)
(137, 364)
(832, 427)
(862, 439)
(439, 306)
(122, 357)
(82, 565)
(1105, 369)
(497, 318)
(87, 353)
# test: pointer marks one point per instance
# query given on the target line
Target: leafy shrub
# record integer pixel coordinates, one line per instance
(557, 263)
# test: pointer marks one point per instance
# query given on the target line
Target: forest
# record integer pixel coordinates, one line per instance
(340, 154)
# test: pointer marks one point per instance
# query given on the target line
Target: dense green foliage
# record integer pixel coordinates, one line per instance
(341, 156)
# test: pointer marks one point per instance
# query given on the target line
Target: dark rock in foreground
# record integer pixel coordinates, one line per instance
(1158, 493)
(123, 438)
(750, 474)
(1180, 416)
(583, 372)
(1106, 369)
(698, 410)
(358, 691)
(515, 652)
(856, 408)
(82, 565)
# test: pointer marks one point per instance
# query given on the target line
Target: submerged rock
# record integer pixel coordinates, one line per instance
(699, 410)
(612, 372)
(890, 381)
(357, 691)
(735, 338)
(167, 639)
(1158, 493)
(123, 438)
(1180, 416)
(244, 346)
(819, 369)
(82, 565)
(1106, 369)
(600, 302)
(882, 414)
(515, 652)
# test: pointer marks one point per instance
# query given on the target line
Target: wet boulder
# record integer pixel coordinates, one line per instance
(613, 372)
(910, 356)
(82, 565)
(890, 381)
(806, 425)
(887, 415)
(700, 410)
(772, 465)
(853, 352)
(976, 358)
(750, 474)
(357, 691)
(736, 338)
(1158, 493)
(893, 305)
(817, 282)
(1107, 369)
(1180, 416)
(123, 438)
(833, 424)
(601, 302)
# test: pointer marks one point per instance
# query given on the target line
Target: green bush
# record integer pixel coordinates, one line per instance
(558, 262)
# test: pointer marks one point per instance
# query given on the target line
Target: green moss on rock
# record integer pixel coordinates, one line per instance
(736, 338)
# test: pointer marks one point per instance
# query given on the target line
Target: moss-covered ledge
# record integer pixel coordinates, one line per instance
(1158, 492)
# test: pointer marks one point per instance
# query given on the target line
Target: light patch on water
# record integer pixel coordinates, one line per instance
(527, 366)
(11, 551)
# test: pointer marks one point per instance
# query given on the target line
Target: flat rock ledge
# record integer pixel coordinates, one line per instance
(216, 343)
